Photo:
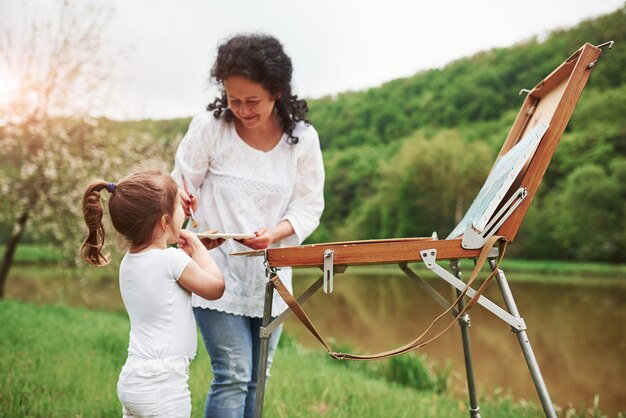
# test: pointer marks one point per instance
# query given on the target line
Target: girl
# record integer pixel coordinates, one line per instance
(156, 284)
(253, 163)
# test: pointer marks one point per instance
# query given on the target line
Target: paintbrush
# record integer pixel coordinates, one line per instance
(194, 222)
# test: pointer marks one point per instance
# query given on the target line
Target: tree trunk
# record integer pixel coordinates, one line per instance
(9, 252)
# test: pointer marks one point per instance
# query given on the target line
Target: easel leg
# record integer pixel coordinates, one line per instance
(464, 323)
(522, 337)
(265, 346)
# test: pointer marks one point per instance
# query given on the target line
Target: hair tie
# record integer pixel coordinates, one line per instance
(111, 187)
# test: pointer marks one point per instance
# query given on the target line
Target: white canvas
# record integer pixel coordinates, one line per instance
(504, 172)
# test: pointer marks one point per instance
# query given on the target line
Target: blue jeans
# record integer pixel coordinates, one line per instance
(233, 344)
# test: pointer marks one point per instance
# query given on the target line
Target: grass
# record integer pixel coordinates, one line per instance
(574, 268)
(59, 361)
(32, 253)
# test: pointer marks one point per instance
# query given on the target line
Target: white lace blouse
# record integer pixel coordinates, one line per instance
(241, 189)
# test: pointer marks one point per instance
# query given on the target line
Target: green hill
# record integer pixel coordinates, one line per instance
(477, 88)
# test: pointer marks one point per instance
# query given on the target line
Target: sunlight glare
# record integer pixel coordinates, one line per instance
(9, 84)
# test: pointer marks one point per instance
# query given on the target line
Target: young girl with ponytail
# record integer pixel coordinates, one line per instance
(156, 282)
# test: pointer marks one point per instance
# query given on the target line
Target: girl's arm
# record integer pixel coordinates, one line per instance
(201, 276)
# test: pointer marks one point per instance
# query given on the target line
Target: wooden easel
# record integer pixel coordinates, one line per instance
(551, 103)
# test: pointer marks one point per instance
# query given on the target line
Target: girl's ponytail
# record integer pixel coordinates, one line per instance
(91, 250)
(136, 206)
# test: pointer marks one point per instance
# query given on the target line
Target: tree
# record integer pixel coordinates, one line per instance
(586, 214)
(49, 145)
(423, 188)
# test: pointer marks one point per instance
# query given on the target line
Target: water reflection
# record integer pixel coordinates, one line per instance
(577, 333)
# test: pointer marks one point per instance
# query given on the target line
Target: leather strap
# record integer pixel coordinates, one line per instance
(296, 308)
(420, 341)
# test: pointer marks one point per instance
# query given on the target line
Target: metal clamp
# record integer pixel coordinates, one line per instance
(269, 270)
(608, 43)
(465, 320)
(474, 238)
(329, 256)
(602, 45)
(429, 258)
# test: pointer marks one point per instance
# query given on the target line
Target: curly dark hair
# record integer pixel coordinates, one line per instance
(260, 58)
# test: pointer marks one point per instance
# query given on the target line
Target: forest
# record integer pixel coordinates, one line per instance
(402, 159)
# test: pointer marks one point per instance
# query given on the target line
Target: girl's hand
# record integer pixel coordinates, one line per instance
(188, 200)
(264, 237)
(189, 242)
(212, 243)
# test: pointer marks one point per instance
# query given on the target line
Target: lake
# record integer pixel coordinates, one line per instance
(577, 331)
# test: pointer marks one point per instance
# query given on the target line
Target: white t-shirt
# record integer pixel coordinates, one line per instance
(161, 318)
(241, 189)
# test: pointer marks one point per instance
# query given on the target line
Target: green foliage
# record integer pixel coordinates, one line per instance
(505, 406)
(413, 370)
(351, 177)
(31, 254)
(581, 219)
(166, 133)
(595, 201)
(420, 188)
(47, 165)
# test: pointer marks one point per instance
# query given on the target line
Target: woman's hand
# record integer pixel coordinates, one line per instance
(188, 200)
(212, 243)
(264, 237)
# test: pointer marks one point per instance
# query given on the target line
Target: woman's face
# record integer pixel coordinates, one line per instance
(251, 104)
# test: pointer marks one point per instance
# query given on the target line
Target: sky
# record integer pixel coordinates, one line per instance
(335, 45)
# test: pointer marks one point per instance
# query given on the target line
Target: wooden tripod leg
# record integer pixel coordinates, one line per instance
(464, 323)
(522, 337)
(264, 351)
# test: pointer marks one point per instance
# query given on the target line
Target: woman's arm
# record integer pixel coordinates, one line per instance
(307, 202)
(193, 153)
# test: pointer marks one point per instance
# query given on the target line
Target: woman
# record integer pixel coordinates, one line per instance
(253, 164)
